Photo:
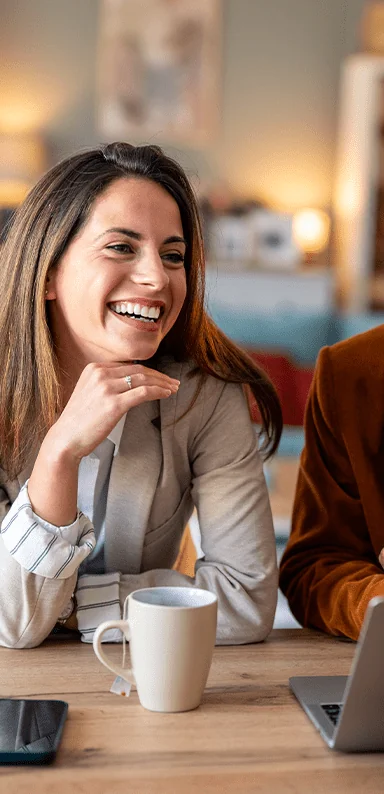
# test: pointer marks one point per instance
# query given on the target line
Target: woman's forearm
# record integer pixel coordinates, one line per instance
(30, 604)
(52, 487)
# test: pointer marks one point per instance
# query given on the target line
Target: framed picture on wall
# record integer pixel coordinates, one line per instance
(158, 70)
(359, 187)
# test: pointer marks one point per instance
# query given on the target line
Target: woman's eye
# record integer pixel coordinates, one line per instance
(121, 248)
(175, 258)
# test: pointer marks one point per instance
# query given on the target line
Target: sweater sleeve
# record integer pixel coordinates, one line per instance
(329, 571)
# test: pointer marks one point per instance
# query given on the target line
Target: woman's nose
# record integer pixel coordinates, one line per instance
(151, 271)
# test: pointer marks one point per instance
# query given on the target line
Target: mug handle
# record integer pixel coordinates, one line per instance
(123, 625)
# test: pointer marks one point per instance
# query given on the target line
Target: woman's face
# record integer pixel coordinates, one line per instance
(120, 285)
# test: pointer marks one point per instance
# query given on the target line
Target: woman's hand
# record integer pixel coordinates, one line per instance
(100, 398)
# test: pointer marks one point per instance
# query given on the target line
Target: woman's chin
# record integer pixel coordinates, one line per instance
(140, 352)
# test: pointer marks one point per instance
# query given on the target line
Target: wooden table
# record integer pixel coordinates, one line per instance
(249, 735)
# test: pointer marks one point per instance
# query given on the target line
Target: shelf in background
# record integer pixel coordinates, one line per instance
(268, 290)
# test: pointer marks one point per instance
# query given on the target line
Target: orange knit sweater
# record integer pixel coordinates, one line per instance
(331, 567)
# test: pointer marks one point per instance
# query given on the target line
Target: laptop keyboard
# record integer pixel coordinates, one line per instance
(332, 710)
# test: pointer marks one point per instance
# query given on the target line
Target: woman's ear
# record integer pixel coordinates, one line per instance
(50, 291)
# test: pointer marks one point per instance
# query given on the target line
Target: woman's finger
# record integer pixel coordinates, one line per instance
(138, 374)
(140, 395)
(128, 382)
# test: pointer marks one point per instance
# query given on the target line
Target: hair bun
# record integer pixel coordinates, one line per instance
(116, 152)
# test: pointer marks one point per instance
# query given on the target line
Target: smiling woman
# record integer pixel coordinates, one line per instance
(122, 408)
(121, 283)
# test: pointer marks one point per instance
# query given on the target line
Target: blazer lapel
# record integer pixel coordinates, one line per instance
(134, 476)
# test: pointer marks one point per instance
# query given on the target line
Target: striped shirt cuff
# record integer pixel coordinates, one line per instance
(43, 548)
(98, 599)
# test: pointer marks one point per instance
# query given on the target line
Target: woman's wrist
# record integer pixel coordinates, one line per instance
(59, 451)
(53, 484)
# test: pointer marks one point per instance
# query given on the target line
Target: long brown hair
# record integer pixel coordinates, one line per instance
(44, 225)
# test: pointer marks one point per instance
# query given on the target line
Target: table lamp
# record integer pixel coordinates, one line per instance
(311, 232)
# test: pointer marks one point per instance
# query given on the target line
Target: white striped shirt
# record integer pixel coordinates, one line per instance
(57, 552)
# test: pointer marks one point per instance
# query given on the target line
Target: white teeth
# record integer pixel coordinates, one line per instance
(146, 312)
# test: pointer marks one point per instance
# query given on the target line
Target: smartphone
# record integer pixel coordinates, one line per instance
(30, 730)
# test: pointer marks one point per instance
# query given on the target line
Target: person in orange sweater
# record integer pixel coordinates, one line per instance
(334, 560)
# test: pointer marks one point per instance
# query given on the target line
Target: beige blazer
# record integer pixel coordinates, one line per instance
(208, 459)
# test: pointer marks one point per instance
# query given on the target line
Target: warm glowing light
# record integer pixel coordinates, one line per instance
(349, 197)
(311, 230)
(25, 107)
(21, 163)
(12, 193)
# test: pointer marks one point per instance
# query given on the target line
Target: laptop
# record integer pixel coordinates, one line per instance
(349, 710)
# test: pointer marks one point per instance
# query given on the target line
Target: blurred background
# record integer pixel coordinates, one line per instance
(276, 111)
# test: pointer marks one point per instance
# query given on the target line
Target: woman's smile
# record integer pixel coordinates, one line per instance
(138, 314)
(144, 311)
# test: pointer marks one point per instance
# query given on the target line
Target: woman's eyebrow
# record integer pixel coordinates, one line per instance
(121, 230)
(175, 239)
(137, 236)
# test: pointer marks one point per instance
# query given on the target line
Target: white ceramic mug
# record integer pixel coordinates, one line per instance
(171, 633)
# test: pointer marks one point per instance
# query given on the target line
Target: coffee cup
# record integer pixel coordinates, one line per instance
(171, 633)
